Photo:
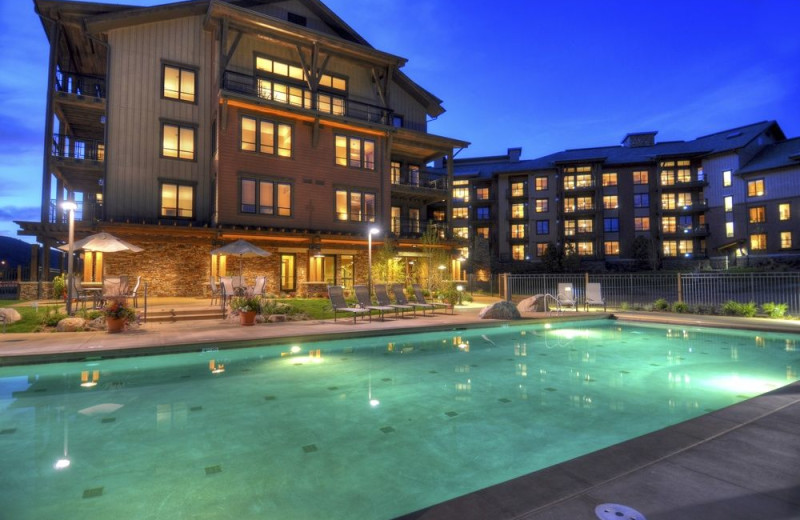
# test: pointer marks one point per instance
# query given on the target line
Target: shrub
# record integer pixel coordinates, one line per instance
(60, 287)
(774, 310)
(245, 304)
(661, 305)
(732, 308)
(52, 317)
(681, 307)
(624, 306)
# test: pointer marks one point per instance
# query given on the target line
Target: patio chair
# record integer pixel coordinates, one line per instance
(362, 295)
(336, 296)
(227, 289)
(114, 288)
(260, 287)
(382, 295)
(134, 293)
(565, 297)
(215, 290)
(594, 296)
(400, 297)
(78, 295)
(418, 294)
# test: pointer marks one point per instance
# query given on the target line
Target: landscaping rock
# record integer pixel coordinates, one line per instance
(273, 318)
(535, 303)
(500, 311)
(71, 325)
(11, 315)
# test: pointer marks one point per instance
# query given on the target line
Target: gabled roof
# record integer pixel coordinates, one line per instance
(785, 154)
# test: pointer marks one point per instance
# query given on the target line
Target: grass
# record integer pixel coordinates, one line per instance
(32, 317)
(314, 308)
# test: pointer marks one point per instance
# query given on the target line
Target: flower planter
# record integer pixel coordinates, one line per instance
(115, 325)
(247, 318)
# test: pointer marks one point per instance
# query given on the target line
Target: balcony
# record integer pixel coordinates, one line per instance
(69, 147)
(248, 86)
(694, 207)
(85, 212)
(688, 231)
(696, 184)
(413, 228)
(423, 185)
(80, 85)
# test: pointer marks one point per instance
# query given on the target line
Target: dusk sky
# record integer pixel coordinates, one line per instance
(544, 76)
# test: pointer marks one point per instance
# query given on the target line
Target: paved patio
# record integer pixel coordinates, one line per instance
(742, 462)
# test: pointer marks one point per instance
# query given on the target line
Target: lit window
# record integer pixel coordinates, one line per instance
(518, 210)
(585, 248)
(569, 227)
(668, 224)
(670, 248)
(542, 227)
(266, 137)
(585, 203)
(482, 194)
(355, 152)
(541, 247)
(569, 205)
(758, 242)
(610, 202)
(461, 191)
(667, 201)
(758, 214)
(355, 206)
(609, 179)
(460, 213)
(785, 211)
(685, 247)
(755, 188)
(482, 232)
(611, 247)
(461, 232)
(727, 178)
(641, 223)
(518, 189)
(667, 177)
(395, 172)
(541, 183)
(266, 197)
(177, 141)
(786, 239)
(729, 229)
(684, 200)
(177, 200)
(585, 225)
(179, 83)
(728, 203)
(684, 175)
(519, 230)
(396, 220)
(542, 205)
(518, 252)
(640, 177)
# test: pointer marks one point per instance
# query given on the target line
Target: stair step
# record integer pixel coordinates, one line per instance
(184, 315)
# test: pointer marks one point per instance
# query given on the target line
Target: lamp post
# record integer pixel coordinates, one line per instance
(70, 206)
(372, 231)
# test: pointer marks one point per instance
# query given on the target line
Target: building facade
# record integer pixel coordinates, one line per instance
(728, 198)
(185, 126)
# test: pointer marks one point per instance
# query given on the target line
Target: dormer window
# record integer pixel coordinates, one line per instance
(297, 19)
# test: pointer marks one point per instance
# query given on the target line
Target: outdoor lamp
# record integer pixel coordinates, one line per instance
(70, 206)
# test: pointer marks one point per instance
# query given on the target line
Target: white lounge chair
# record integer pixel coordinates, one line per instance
(594, 296)
(565, 297)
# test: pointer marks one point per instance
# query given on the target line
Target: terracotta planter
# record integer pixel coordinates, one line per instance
(247, 318)
(115, 325)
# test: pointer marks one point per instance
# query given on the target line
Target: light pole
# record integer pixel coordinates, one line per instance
(70, 206)
(372, 231)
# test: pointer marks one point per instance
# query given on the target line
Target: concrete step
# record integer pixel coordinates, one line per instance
(171, 315)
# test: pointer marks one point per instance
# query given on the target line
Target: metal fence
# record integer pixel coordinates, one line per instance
(698, 289)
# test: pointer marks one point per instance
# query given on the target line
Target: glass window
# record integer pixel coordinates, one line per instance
(684, 175)
(179, 83)
(177, 141)
(541, 247)
(729, 229)
(609, 179)
(518, 189)
(482, 232)
(585, 248)
(684, 200)
(460, 213)
(519, 230)
(355, 206)
(461, 232)
(668, 224)
(395, 218)
(667, 177)
(786, 239)
(641, 223)
(585, 225)
(685, 247)
(482, 213)
(542, 227)
(668, 201)
(518, 252)
(461, 193)
(518, 210)
(542, 205)
(726, 178)
(177, 200)
(413, 218)
(640, 177)
(758, 242)
(670, 248)
(641, 200)
(266, 140)
(610, 202)
(611, 225)
(569, 227)
(611, 247)
(755, 188)
(758, 214)
(784, 211)
(266, 197)
(728, 203)
(288, 272)
(355, 152)
(413, 175)
(482, 193)
(585, 203)
(395, 172)
(541, 183)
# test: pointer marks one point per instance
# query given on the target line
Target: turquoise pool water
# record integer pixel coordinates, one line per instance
(368, 428)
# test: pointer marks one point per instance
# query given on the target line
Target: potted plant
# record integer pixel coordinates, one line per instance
(247, 308)
(117, 315)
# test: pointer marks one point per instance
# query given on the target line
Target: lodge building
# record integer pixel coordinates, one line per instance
(185, 126)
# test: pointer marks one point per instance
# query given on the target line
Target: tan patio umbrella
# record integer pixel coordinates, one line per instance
(242, 248)
(102, 243)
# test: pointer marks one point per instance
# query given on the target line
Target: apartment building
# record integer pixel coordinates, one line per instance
(185, 126)
(731, 197)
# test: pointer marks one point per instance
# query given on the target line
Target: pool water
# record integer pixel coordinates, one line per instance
(357, 428)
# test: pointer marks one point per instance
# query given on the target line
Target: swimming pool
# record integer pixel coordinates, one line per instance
(367, 428)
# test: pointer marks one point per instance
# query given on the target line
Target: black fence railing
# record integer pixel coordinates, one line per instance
(421, 179)
(70, 147)
(80, 84)
(411, 228)
(85, 212)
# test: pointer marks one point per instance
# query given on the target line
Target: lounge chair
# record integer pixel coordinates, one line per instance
(400, 297)
(382, 295)
(227, 289)
(260, 287)
(336, 295)
(362, 295)
(418, 294)
(565, 297)
(215, 290)
(134, 293)
(594, 296)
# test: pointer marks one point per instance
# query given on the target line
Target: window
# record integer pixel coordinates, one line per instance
(667, 201)
(758, 214)
(685, 247)
(685, 223)
(265, 197)
(396, 220)
(460, 213)
(668, 224)
(347, 268)
(729, 229)
(572, 182)
(755, 188)
(482, 213)
(667, 177)
(684, 200)
(784, 211)
(684, 175)
(541, 183)
(585, 203)
(541, 247)
(758, 242)
(355, 206)
(461, 232)
(640, 177)
(569, 228)
(482, 232)
(518, 252)
(610, 202)
(519, 230)
(288, 272)
(355, 152)
(413, 219)
(641, 200)
(641, 223)
(177, 200)
(585, 248)
(542, 227)
(609, 179)
(177, 141)
(726, 178)
(322, 269)
(461, 191)
(482, 194)
(728, 203)
(179, 83)
(518, 189)
(262, 136)
(394, 170)
(542, 205)
(786, 239)
(585, 225)
(611, 247)
(296, 18)
(413, 175)
(518, 210)
(611, 225)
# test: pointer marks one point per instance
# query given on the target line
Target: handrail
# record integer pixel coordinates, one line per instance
(558, 304)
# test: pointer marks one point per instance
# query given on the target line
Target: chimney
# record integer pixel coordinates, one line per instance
(639, 139)
(513, 154)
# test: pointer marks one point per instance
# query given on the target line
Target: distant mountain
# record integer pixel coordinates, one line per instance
(18, 252)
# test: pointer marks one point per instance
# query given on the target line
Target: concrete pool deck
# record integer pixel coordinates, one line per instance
(741, 462)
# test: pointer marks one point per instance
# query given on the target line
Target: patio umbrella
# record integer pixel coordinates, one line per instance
(242, 248)
(103, 243)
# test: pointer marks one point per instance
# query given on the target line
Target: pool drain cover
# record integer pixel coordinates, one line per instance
(617, 512)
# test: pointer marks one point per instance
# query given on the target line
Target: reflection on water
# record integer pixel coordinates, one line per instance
(367, 428)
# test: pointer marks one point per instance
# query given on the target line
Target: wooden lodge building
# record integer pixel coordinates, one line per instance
(186, 126)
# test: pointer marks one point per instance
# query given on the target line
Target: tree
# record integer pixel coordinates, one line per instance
(385, 266)
(644, 251)
(570, 261)
(551, 260)
(435, 256)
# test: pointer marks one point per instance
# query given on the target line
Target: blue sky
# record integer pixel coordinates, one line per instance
(542, 75)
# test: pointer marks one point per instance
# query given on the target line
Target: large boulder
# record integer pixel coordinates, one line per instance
(71, 325)
(10, 315)
(535, 303)
(500, 311)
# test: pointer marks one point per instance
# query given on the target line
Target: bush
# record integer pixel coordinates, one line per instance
(624, 306)
(52, 317)
(661, 305)
(774, 310)
(732, 308)
(681, 307)
(60, 287)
